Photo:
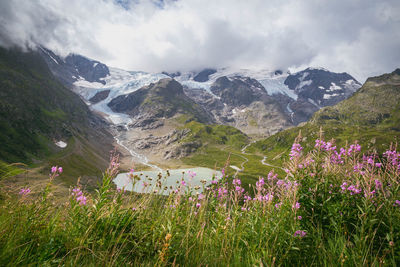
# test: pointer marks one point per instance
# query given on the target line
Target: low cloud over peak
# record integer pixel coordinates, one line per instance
(359, 37)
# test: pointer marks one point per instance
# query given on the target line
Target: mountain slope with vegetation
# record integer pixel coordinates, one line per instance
(36, 111)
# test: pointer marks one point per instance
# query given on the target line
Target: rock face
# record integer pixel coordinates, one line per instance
(100, 96)
(162, 100)
(74, 67)
(242, 102)
(90, 70)
(323, 87)
(203, 75)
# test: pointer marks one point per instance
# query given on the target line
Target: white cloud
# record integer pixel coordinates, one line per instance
(357, 36)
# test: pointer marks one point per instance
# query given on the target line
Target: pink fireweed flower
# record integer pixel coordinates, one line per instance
(191, 174)
(260, 183)
(272, 176)
(183, 183)
(278, 205)
(295, 152)
(24, 191)
(378, 165)
(296, 206)
(53, 169)
(329, 146)
(396, 203)
(81, 200)
(320, 144)
(60, 170)
(299, 218)
(300, 233)
(378, 184)
(198, 205)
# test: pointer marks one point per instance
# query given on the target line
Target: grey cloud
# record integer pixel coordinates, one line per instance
(357, 36)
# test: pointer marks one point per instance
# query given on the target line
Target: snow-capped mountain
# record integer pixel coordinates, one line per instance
(281, 98)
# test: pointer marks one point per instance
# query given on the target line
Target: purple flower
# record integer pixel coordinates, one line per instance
(60, 169)
(296, 206)
(24, 191)
(295, 152)
(53, 169)
(81, 200)
(300, 233)
(198, 205)
(299, 218)
(397, 202)
(378, 184)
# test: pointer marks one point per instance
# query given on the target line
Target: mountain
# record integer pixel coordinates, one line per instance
(299, 94)
(242, 102)
(43, 121)
(74, 68)
(152, 104)
(371, 116)
(287, 98)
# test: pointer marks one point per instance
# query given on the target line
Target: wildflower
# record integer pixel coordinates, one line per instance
(378, 184)
(300, 233)
(198, 205)
(60, 170)
(320, 144)
(191, 174)
(296, 206)
(236, 182)
(183, 183)
(53, 169)
(299, 218)
(24, 191)
(81, 200)
(278, 205)
(260, 183)
(397, 202)
(295, 151)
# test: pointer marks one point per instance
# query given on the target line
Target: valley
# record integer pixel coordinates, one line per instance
(177, 120)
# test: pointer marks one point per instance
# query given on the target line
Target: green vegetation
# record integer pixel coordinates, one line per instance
(36, 110)
(221, 147)
(327, 210)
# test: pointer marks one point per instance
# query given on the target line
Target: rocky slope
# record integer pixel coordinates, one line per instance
(74, 68)
(152, 104)
(371, 116)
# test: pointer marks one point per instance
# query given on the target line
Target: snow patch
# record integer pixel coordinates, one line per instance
(276, 85)
(326, 96)
(61, 144)
(303, 83)
(334, 87)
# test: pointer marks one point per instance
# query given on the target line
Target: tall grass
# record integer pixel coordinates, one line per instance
(333, 207)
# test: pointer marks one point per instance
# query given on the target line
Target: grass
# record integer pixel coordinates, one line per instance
(323, 211)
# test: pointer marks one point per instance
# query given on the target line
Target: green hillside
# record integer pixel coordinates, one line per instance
(36, 111)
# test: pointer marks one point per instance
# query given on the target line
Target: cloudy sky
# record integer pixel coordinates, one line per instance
(361, 37)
